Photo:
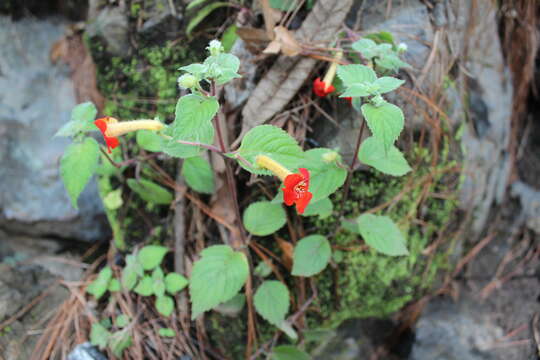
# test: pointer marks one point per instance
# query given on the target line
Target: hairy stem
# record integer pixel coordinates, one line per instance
(351, 169)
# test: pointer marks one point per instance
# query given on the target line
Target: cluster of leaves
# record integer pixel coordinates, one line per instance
(221, 271)
(143, 275)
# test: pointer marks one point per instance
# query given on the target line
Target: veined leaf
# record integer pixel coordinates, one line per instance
(356, 74)
(151, 256)
(175, 282)
(198, 174)
(100, 285)
(289, 352)
(381, 233)
(82, 120)
(149, 140)
(325, 177)
(222, 67)
(272, 301)
(311, 255)
(388, 83)
(145, 287)
(264, 218)
(323, 208)
(385, 122)
(222, 267)
(391, 162)
(164, 305)
(150, 191)
(78, 164)
(273, 142)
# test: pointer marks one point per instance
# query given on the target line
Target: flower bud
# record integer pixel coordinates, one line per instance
(402, 47)
(215, 47)
(187, 81)
(330, 156)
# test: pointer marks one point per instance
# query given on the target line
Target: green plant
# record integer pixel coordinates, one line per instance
(309, 179)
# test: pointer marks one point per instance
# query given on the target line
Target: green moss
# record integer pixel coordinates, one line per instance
(366, 283)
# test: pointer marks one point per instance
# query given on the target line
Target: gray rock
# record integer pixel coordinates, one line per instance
(450, 331)
(161, 21)
(86, 351)
(530, 204)
(111, 24)
(36, 99)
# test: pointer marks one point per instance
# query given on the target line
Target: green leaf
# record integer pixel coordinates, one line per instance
(232, 307)
(158, 283)
(198, 174)
(151, 256)
(149, 140)
(150, 191)
(194, 3)
(289, 352)
(264, 218)
(283, 5)
(367, 47)
(311, 255)
(381, 233)
(114, 285)
(145, 287)
(263, 269)
(119, 341)
(229, 37)
(222, 67)
(381, 37)
(272, 301)
(203, 13)
(273, 142)
(385, 122)
(286, 327)
(113, 200)
(356, 74)
(197, 70)
(131, 272)
(357, 90)
(222, 267)
(82, 120)
(100, 285)
(166, 332)
(323, 208)
(175, 282)
(391, 162)
(78, 164)
(165, 305)
(325, 176)
(99, 335)
(193, 123)
(122, 320)
(388, 83)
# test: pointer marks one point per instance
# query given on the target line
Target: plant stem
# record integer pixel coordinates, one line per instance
(351, 169)
(192, 143)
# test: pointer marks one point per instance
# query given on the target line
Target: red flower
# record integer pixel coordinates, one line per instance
(102, 124)
(321, 89)
(296, 190)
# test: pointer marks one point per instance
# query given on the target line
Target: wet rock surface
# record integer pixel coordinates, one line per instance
(36, 99)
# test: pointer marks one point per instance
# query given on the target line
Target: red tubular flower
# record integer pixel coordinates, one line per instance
(102, 124)
(296, 190)
(321, 88)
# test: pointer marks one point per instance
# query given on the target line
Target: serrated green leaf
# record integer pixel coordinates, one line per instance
(151, 256)
(323, 208)
(165, 305)
(198, 174)
(264, 218)
(150, 191)
(356, 74)
(273, 142)
(131, 272)
(166, 332)
(356, 90)
(272, 301)
(385, 122)
(175, 282)
(158, 282)
(114, 285)
(388, 83)
(288, 352)
(391, 162)
(223, 67)
(381, 233)
(82, 120)
(99, 335)
(391, 61)
(367, 47)
(227, 270)
(193, 123)
(149, 140)
(203, 13)
(229, 37)
(311, 255)
(100, 285)
(197, 70)
(119, 341)
(145, 287)
(78, 164)
(122, 320)
(325, 177)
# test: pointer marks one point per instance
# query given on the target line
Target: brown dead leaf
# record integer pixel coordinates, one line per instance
(71, 50)
(285, 42)
(288, 250)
